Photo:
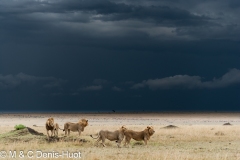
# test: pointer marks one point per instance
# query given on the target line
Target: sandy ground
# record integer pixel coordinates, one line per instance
(124, 119)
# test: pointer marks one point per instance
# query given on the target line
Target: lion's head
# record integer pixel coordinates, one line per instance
(84, 122)
(123, 128)
(50, 122)
(150, 130)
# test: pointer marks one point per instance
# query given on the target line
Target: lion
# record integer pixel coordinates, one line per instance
(55, 129)
(75, 127)
(138, 136)
(50, 126)
(117, 136)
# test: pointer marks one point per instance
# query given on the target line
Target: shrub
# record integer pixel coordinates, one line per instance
(19, 126)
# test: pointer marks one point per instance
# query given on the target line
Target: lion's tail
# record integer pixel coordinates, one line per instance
(96, 137)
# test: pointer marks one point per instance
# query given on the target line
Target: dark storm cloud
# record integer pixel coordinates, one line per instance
(191, 82)
(96, 85)
(115, 88)
(98, 45)
(67, 21)
(92, 88)
(100, 81)
(234, 4)
(162, 15)
(13, 81)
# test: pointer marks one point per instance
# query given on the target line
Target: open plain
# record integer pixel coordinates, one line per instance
(189, 136)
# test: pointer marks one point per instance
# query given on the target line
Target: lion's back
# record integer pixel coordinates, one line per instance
(137, 135)
(110, 135)
(73, 126)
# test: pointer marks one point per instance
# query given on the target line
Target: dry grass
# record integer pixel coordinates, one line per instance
(199, 142)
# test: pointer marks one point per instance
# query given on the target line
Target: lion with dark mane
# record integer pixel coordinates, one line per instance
(51, 126)
(117, 136)
(138, 135)
(75, 127)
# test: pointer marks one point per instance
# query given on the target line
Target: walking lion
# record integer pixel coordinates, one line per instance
(75, 127)
(117, 136)
(138, 135)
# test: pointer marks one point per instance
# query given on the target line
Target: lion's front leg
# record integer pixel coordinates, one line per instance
(125, 143)
(68, 132)
(51, 133)
(145, 140)
(65, 130)
(47, 134)
(103, 142)
(79, 132)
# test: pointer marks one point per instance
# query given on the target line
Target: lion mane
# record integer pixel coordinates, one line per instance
(138, 135)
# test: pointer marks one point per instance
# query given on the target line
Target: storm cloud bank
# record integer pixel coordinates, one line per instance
(191, 82)
(125, 54)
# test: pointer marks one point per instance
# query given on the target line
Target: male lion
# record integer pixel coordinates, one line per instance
(50, 126)
(75, 127)
(139, 136)
(117, 136)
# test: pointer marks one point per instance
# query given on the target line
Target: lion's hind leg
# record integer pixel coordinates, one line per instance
(120, 138)
(119, 143)
(96, 143)
(103, 142)
(56, 132)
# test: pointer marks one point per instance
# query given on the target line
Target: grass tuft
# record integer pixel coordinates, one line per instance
(19, 126)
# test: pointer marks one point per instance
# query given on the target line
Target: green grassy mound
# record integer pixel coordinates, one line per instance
(25, 135)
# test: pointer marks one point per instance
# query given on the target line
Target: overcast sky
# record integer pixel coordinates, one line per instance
(123, 55)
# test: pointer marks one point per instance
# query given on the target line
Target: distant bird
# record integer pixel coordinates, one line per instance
(114, 111)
